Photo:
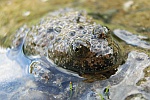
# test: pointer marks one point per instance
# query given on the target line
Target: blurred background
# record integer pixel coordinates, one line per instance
(131, 15)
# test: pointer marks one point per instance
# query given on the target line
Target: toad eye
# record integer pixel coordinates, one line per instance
(105, 29)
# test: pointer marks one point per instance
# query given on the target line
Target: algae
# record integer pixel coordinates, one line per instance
(135, 18)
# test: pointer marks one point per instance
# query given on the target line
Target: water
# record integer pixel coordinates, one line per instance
(37, 78)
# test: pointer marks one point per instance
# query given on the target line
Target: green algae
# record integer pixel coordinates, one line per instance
(11, 15)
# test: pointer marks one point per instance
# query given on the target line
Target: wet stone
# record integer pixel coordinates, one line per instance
(131, 38)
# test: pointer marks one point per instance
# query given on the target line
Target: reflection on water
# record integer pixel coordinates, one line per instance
(38, 78)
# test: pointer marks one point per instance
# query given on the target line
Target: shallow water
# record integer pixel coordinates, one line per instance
(37, 78)
(49, 82)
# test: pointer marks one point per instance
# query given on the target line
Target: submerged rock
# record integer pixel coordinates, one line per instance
(132, 39)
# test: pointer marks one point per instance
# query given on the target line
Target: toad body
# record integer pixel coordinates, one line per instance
(73, 41)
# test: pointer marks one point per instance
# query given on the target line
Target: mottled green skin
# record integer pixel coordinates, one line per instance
(73, 42)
